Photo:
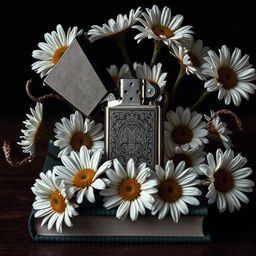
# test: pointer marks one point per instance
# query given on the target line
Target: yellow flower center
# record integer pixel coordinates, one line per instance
(83, 178)
(79, 139)
(169, 191)
(57, 201)
(182, 157)
(129, 189)
(227, 77)
(194, 59)
(182, 134)
(58, 53)
(163, 31)
(223, 181)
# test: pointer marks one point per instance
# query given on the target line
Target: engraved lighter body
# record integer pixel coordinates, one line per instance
(133, 125)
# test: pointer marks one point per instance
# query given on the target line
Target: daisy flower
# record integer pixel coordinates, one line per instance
(122, 24)
(219, 131)
(191, 56)
(185, 129)
(117, 74)
(193, 158)
(75, 132)
(131, 190)
(33, 130)
(153, 74)
(81, 173)
(52, 201)
(231, 75)
(50, 51)
(161, 26)
(228, 182)
(176, 189)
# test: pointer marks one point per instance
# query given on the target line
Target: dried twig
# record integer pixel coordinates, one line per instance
(40, 98)
(227, 112)
(7, 154)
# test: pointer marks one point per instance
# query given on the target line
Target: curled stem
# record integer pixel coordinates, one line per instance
(227, 112)
(40, 98)
(7, 153)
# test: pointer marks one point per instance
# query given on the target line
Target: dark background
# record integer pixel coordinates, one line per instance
(23, 26)
(216, 22)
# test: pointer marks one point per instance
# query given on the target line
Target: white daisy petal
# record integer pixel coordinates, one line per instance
(160, 25)
(52, 201)
(56, 44)
(228, 185)
(190, 135)
(131, 190)
(231, 74)
(75, 132)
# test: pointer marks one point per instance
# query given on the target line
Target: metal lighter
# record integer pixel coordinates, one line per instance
(133, 124)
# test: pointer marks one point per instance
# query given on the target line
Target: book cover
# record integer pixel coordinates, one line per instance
(96, 224)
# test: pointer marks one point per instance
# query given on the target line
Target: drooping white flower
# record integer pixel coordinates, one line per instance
(33, 129)
(117, 73)
(176, 189)
(219, 130)
(228, 182)
(231, 75)
(50, 52)
(185, 129)
(161, 26)
(114, 27)
(153, 74)
(75, 132)
(52, 201)
(81, 173)
(191, 56)
(130, 189)
(193, 157)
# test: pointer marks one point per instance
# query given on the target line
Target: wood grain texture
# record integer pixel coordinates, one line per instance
(233, 234)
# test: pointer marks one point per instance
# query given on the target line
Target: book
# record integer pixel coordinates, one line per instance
(97, 224)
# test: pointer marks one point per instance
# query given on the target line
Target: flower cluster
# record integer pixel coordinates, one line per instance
(164, 190)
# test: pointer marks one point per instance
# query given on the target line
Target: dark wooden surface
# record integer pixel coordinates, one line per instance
(233, 234)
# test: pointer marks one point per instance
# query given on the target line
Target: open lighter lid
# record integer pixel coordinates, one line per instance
(79, 78)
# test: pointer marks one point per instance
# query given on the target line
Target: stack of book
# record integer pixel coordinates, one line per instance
(97, 224)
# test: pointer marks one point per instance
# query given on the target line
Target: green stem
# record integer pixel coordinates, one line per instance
(157, 47)
(176, 84)
(204, 94)
(120, 40)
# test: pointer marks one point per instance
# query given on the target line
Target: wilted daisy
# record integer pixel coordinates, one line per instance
(191, 56)
(81, 173)
(33, 129)
(185, 129)
(231, 75)
(131, 190)
(161, 26)
(154, 74)
(227, 177)
(117, 73)
(193, 158)
(219, 131)
(75, 132)
(50, 52)
(122, 24)
(176, 189)
(52, 201)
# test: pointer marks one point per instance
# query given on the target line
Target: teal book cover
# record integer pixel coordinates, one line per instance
(96, 224)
